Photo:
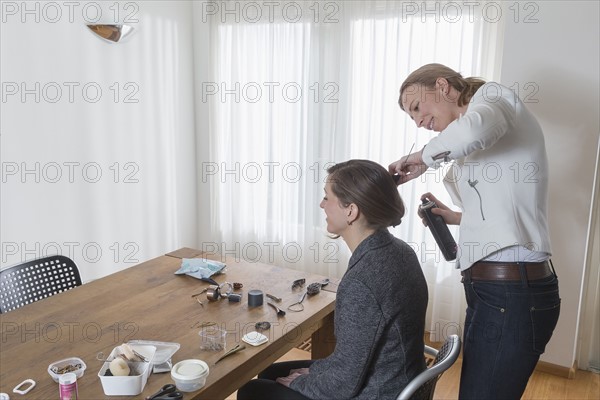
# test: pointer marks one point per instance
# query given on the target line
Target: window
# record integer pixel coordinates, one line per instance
(290, 98)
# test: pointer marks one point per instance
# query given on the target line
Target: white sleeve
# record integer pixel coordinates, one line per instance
(487, 119)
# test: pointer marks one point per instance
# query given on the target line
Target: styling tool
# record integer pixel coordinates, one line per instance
(232, 351)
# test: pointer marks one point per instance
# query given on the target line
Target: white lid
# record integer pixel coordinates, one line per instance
(189, 369)
(67, 378)
(164, 350)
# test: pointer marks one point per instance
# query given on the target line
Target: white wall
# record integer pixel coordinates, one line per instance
(112, 173)
(559, 57)
(588, 354)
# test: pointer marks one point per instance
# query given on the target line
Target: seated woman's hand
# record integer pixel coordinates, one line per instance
(294, 373)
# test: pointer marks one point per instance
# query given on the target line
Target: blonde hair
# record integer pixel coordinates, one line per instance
(428, 74)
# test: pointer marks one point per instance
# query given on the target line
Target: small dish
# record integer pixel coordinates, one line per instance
(74, 361)
(255, 338)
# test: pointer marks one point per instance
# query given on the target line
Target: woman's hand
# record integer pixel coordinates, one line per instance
(294, 373)
(408, 167)
(449, 216)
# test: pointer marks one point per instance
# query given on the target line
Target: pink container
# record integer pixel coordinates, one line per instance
(67, 384)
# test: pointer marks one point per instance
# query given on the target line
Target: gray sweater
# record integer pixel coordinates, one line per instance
(379, 325)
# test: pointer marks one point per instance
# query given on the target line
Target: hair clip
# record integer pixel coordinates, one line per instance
(316, 287)
(274, 298)
(313, 288)
(298, 283)
(262, 326)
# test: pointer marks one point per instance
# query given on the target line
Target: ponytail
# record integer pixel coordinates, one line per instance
(428, 74)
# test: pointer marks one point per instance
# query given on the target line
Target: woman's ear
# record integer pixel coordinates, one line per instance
(443, 85)
(353, 213)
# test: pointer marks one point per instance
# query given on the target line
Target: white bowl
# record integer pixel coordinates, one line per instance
(190, 375)
(63, 363)
(131, 385)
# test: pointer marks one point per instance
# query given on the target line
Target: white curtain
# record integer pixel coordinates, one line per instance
(97, 138)
(290, 96)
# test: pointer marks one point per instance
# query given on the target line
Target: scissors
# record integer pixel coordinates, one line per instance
(167, 392)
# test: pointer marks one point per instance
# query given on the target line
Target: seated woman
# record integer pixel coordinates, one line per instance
(380, 304)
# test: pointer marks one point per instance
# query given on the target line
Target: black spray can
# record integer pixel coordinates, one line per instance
(439, 230)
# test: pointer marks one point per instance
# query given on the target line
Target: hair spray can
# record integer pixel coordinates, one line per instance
(67, 384)
(439, 230)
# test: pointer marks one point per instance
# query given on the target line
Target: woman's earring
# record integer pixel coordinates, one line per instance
(349, 222)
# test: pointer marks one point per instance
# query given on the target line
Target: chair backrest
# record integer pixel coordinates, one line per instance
(423, 385)
(35, 280)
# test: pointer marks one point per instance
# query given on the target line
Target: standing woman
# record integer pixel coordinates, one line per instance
(499, 180)
(380, 304)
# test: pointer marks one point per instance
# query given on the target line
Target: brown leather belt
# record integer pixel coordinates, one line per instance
(500, 271)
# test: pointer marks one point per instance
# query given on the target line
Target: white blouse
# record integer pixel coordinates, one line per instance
(499, 178)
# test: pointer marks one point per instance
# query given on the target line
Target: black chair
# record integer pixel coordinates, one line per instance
(35, 280)
(423, 385)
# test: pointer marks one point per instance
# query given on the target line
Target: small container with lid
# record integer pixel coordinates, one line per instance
(190, 375)
(67, 384)
(213, 338)
(255, 298)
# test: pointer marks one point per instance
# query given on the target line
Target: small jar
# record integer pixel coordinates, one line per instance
(67, 384)
(255, 298)
(189, 375)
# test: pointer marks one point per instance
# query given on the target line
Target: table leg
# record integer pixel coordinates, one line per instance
(323, 339)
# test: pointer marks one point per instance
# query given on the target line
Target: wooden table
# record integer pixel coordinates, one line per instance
(149, 302)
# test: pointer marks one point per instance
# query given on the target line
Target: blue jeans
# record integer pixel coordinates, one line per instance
(507, 327)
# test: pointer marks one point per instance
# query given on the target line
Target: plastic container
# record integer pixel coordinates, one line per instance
(63, 363)
(212, 338)
(162, 358)
(190, 375)
(133, 384)
(67, 386)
